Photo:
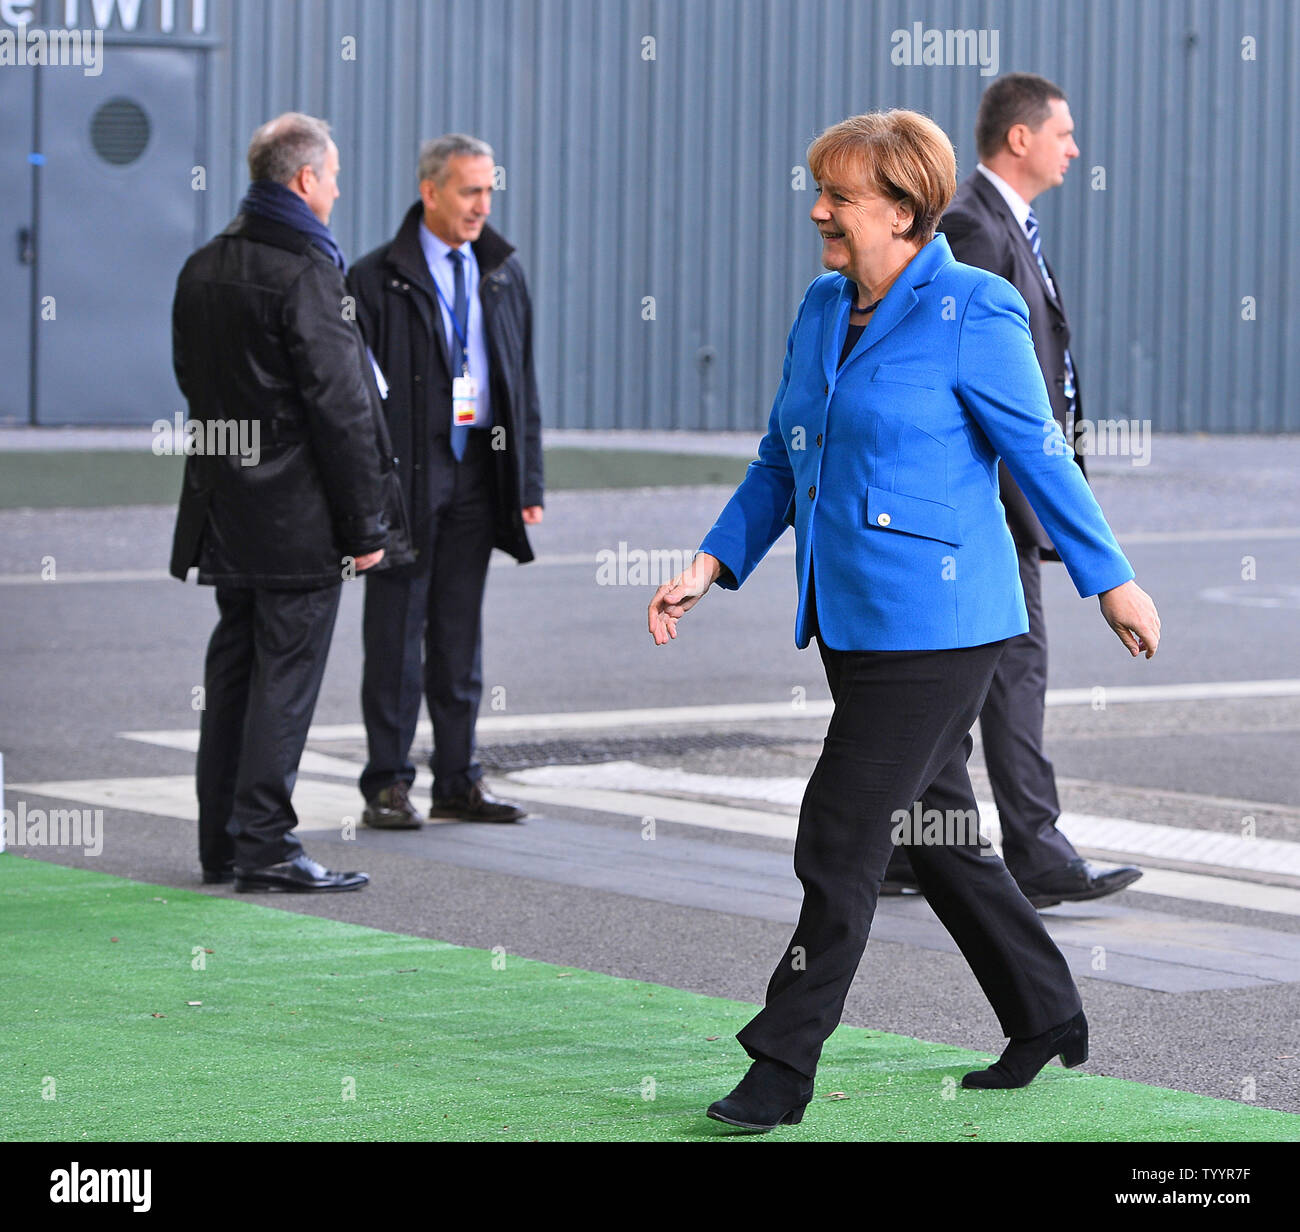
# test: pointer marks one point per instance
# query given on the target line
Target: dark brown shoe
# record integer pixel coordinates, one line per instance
(475, 805)
(392, 809)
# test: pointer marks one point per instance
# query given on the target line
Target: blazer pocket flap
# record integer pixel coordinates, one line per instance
(906, 374)
(910, 515)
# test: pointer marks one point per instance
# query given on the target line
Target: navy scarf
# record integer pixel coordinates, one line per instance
(270, 200)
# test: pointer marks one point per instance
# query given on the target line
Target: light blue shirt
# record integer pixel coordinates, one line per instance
(436, 255)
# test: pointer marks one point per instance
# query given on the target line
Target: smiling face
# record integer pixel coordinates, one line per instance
(860, 230)
(456, 209)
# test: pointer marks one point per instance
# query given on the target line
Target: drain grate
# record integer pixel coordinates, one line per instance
(505, 757)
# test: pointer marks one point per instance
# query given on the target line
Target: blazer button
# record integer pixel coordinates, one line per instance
(819, 438)
(812, 492)
(417, 378)
(826, 389)
(882, 519)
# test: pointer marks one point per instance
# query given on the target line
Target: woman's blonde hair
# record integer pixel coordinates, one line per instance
(901, 155)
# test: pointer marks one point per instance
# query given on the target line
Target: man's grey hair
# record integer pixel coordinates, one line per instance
(283, 146)
(436, 154)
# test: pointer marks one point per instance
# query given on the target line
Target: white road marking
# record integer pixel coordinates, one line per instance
(320, 806)
(746, 712)
(591, 558)
(1118, 834)
(631, 790)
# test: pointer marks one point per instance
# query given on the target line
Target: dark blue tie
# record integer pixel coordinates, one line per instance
(1036, 243)
(460, 304)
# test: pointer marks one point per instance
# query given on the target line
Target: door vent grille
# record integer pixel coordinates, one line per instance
(119, 131)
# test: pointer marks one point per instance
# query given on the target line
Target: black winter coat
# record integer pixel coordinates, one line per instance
(260, 334)
(399, 314)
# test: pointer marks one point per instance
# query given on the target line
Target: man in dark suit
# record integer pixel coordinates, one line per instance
(261, 341)
(446, 310)
(1024, 135)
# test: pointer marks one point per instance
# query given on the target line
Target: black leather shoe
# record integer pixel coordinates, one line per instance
(219, 876)
(1077, 882)
(391, 809)
(771, 1094)
(475, 805)
(301, 875)
(1023, 1058)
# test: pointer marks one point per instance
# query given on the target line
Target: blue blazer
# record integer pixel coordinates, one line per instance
(887, 466)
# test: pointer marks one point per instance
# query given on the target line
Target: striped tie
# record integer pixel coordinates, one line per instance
(1036, 243)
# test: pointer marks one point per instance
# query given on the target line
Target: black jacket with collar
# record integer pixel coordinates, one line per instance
(982, 231)
(260, 336)
(399, 314)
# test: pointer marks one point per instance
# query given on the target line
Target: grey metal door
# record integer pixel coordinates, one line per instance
(16, 242)
(118, 218)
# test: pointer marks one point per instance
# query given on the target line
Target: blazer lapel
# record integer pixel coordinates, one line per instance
(407, 258)
(899, 301)
(833, 329)
(996, 204)
(901, 298)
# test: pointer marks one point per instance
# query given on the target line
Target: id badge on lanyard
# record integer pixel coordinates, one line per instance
(464, 388)
(464, 400)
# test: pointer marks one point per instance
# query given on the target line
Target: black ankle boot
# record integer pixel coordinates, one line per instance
(771, 1094)
(1023, 1058)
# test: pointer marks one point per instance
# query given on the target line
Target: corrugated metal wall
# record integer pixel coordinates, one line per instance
(671, 177)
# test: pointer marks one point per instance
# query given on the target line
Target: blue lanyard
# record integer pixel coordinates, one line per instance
(461, 334)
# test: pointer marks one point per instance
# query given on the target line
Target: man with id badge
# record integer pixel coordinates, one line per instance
(445, 309)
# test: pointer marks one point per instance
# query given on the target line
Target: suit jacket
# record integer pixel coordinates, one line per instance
(397, 308)
(982, 230)
(887, 466)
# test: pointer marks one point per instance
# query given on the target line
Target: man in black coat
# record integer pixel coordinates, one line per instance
(445, 309)
(1024, 134)
(267, 355)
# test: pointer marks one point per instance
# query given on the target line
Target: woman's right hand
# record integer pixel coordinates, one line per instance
(674, 599)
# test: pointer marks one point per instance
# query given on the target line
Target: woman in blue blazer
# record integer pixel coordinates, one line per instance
(907, 375)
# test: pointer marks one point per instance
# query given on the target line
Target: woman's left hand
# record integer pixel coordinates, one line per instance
(1128, 610)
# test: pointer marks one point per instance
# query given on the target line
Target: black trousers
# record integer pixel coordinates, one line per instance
(422, 630)
(265, 662)
(901, 725)
(1011, 725)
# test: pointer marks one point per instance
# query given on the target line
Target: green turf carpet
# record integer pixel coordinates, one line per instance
(137, 1012)
(84, 479)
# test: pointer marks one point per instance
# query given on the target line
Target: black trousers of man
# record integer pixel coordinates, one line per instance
(434, 606)
(900, 734)
(265, 662)
(1011, 727)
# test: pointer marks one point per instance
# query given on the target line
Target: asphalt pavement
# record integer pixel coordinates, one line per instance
(663, 782)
